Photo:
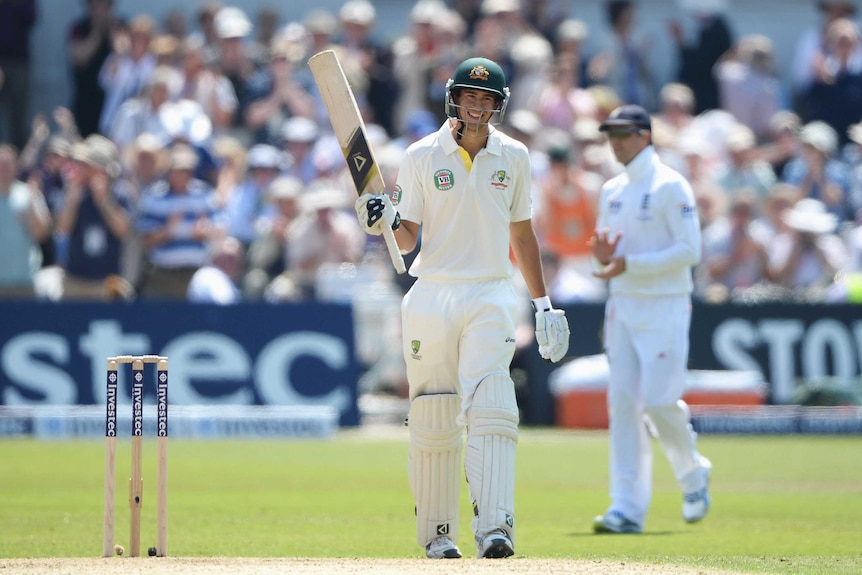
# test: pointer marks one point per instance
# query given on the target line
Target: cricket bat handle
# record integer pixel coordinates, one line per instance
(394, 252)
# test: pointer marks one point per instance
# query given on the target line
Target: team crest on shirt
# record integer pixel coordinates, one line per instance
(500, 180)
(444, 180)
(414, 347)
(395, 195)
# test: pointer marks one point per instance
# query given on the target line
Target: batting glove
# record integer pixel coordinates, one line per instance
(374, 212)
(552, 334)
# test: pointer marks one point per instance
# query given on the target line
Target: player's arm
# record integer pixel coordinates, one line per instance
(552, 327)
(525, 246)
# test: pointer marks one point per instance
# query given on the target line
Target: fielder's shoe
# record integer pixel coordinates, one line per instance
(442, 548)
(615, 522)
(695, 505)
(495, 545)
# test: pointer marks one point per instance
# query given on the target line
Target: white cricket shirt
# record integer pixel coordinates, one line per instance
(654, 208)
(465, 214)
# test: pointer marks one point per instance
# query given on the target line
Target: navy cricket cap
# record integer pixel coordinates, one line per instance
(628, 115)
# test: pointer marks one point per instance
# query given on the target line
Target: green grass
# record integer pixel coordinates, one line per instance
(788, 504)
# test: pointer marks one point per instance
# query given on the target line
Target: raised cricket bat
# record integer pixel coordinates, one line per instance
(350, 130)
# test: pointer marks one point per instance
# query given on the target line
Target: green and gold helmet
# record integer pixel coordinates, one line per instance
(479, 74)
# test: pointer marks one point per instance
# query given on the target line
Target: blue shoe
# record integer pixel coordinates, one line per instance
(695, 505)
(615, 522)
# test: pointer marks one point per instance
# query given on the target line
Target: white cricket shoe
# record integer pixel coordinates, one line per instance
(695, 504)
(442, 548)
(495, 545)
(615, 522)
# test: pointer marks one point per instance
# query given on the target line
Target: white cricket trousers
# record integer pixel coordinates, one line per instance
(457, 333)
(646, 340)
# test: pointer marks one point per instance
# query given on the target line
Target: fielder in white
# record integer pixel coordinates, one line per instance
(647, 241)
(468, 187)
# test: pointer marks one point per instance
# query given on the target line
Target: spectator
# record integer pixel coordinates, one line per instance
(234, 58)
(416, 55)
(565, 219)
(17, 18)
(570, 46)
(733, 259)
(48, 176)
(747, 83)
(325, 233)
(299, 135)
(712, 39)
(89, 46)
(812, 49)
(24, 223)
(273, 96)
(267, 255)
(175, 218)
(246, 202)
(321, 26)
(561, 102)
(215, 282)
(95, 218)
(835, 96)
(782, 141)
(676, 109)
(267, 26)
(807, 256)
(208, 87)
(816, 170)
(128, 68)
(206, 35)
(370, 62)
(745, 172)
(161, 114)
(621, 62)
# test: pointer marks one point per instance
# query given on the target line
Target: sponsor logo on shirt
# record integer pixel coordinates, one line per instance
(687, 210)
(395, 196)
(444, 180)
(614, 206)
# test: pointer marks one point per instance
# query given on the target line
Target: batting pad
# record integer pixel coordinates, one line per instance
(434, 465)
(492, 434)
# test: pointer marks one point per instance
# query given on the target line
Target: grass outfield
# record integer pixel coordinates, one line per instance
(790, 504)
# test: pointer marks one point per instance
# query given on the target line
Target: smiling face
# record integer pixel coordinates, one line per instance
(475, 108)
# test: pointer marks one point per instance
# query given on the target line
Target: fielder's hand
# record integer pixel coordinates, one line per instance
(552, 334)
(374, 212)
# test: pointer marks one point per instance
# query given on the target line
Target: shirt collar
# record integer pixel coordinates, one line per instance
(642, 164)
(494, 145)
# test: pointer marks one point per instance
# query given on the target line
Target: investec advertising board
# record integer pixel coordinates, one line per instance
(243, 355)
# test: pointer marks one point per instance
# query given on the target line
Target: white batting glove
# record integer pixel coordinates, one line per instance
(552, 334)
(374, 212)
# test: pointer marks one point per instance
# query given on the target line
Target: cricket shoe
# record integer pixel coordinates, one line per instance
(695, 504)
(495, 545)
(615, 522)
(442, 548)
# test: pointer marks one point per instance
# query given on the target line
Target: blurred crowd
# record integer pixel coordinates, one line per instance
(196, 161)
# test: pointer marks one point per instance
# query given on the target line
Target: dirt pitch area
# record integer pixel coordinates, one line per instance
(295, 566)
